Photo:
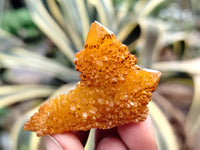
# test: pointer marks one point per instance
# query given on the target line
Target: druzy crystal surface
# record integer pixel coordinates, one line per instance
(112, 91)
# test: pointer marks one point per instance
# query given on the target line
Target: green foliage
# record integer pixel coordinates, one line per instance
(19, 23)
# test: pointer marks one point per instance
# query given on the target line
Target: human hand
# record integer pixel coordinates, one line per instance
(132, 136)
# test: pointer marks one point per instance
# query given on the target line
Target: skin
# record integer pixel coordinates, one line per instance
(128, 137)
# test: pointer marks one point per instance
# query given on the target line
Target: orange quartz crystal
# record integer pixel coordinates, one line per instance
(113, 90)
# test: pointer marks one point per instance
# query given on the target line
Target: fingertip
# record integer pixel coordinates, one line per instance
(51, 143)
(111, 143)
(136, 134)
(66, 141)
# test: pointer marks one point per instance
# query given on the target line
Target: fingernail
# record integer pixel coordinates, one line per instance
(52, 143)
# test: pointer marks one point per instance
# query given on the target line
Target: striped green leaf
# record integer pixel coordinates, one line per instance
(26, 59)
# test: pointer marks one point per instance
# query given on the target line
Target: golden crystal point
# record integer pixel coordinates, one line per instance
(155, 74)
(96, 32)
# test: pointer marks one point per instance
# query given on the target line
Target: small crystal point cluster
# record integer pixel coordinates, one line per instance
(113, 90)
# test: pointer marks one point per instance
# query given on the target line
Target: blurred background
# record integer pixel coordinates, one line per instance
(39, 39)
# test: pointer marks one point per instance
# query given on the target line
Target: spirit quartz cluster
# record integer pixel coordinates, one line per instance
(113, 90)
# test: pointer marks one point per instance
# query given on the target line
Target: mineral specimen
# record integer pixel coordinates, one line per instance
(113, 90)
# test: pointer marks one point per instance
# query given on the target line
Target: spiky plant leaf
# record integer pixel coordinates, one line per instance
(50, 27)
(192, 120)
(21, 94)
(149, 39)
(165, 135)
(191, 67)
(105, 12)
(19, 57)
(188, 66)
